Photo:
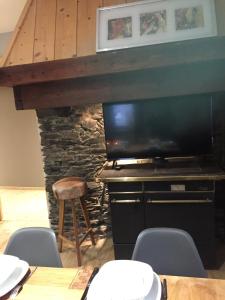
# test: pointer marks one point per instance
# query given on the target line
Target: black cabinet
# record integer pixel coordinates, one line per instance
(127, 213)
(197, 219)
(180, 193)
(188, 205)
(123, 251)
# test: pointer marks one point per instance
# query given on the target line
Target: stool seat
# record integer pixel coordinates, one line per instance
(72, 189)
(69, 188)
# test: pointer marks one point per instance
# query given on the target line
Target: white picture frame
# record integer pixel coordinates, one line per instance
(154, 22)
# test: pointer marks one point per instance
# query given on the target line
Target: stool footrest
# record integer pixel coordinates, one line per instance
(66, 239)
(86, 234)
(62, 237)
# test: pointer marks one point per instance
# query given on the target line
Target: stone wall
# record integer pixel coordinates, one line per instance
(73, 144)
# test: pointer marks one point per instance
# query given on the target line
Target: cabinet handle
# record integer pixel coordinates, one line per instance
(179, 201)
(126, 201)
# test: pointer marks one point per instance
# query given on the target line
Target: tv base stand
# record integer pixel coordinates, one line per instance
(115, 165)
(147, 195)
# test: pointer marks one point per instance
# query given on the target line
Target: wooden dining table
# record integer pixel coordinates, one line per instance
(69, 284)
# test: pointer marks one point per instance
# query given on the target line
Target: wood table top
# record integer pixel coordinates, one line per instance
(188, 288)
(69, 283)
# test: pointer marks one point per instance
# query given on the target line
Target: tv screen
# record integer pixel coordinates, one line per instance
(167, 127)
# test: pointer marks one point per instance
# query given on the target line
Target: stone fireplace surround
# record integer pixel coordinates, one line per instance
(72, 141)
(73, 144)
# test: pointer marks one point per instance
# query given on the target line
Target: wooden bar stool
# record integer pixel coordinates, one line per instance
(72, 189)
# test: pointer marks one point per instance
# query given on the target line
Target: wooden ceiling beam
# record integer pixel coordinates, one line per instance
(197, 78)
(109, 63)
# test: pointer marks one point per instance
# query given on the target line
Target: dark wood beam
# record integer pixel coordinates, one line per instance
(186, 79)
(114, 62)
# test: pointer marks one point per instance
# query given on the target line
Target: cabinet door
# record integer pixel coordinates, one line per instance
(196, 218)
(127, 213)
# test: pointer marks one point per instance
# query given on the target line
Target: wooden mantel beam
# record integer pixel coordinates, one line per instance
(198, 78)
(115, 62)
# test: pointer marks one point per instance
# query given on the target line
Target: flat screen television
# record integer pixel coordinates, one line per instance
(166, 127)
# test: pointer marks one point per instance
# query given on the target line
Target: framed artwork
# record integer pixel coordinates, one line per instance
(153, 22)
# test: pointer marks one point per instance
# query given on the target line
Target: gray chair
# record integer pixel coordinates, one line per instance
(36, 245)
(169, 251)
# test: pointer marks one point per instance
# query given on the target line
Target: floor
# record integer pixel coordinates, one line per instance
(21, 208)
(28, 207)
(24, 208)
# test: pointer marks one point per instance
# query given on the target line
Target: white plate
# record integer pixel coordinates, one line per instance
(156, 289)
(8, 264)
(16, 276)
(121, 279)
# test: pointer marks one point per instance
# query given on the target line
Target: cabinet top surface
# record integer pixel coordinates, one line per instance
(160, 172)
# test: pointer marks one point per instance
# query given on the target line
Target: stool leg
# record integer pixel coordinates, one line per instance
(75, 227)
(61, 223)
(87, 221)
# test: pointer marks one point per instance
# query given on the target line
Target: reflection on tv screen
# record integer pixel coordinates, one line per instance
(180, 126)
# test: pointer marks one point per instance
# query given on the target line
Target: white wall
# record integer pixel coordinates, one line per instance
(4, 40)
(20, 150)
(10, 11)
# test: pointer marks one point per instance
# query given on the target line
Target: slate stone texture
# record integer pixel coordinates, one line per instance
(73, 144)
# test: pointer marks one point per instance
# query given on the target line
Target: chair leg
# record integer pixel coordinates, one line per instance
(75, 227)
(87, 221)
(61, 223)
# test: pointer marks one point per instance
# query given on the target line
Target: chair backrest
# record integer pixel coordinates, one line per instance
(169, 251)
(36, 245)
